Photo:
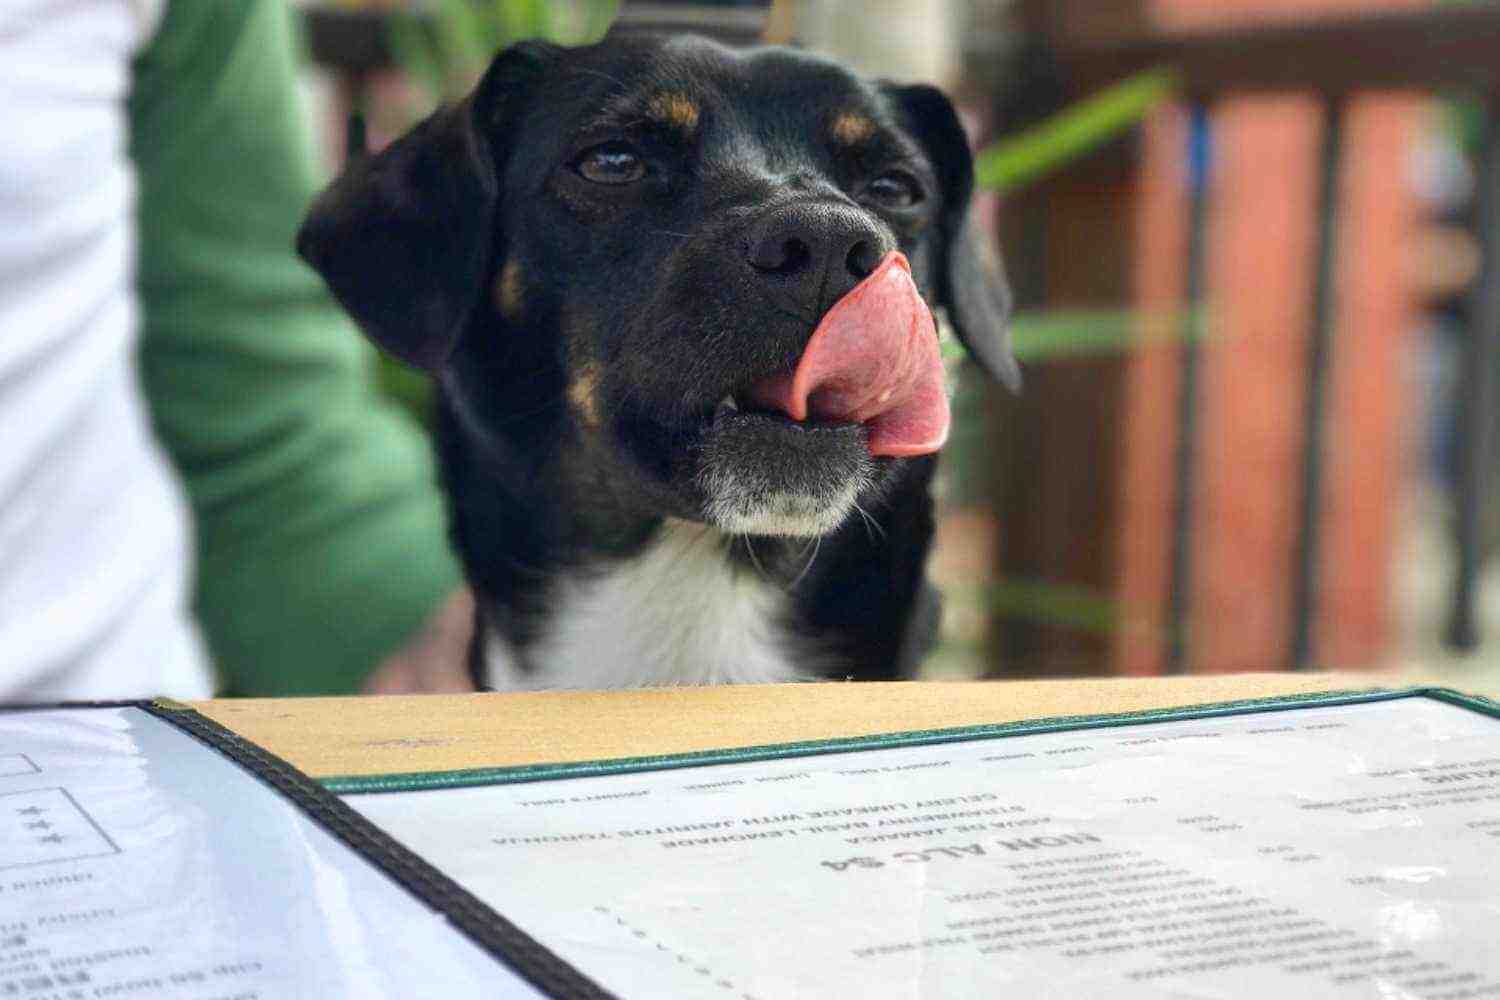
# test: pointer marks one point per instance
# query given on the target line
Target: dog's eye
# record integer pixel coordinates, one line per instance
(611, 163)
(895, 189)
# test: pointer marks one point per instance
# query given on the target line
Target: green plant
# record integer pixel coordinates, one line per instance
(1073, 132)
(446, 46)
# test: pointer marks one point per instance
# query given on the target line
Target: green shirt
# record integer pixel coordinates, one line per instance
(320, 531)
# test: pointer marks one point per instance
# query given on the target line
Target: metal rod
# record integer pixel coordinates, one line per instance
(355, 143)
(357, 100)
(1477, 394)
(1185, 463)
(1319, 363)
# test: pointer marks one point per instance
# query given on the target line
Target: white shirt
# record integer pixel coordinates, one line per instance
(94, 537)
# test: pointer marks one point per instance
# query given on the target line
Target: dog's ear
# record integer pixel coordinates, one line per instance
(404, 239)
(970, 281)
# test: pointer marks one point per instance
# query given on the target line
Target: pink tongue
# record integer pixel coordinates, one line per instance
(873, 360)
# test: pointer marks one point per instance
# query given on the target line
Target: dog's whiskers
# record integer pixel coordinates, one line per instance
(811, 543)
(816, 545)
(755, 560)
(669, 232)
(872, 526)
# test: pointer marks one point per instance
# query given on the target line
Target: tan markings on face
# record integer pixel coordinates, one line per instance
(583, 393)
(509, 289)
(675, 110)
(851, 127)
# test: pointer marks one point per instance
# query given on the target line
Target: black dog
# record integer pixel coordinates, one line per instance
(614, 260)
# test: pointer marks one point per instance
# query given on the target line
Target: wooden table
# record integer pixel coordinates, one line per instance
(351, 736)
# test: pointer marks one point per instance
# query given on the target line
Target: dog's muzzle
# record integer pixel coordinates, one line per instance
(873, 360)
(868, 385)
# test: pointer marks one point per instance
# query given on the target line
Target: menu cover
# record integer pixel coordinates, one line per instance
(145, 852)
(1331, 845)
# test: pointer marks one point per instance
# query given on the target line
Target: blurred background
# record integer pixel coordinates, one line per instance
(1257, 309)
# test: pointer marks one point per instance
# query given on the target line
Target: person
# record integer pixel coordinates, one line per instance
(175, 383)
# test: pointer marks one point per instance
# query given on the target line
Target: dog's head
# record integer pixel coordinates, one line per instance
(625, 250)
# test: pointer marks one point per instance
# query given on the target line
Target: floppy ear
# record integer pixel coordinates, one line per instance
(970, 281)
(404, 239)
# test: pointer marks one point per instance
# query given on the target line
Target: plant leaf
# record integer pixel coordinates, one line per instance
(1048, 334)
(413, 48)
(1073, 132)
(1068, 605)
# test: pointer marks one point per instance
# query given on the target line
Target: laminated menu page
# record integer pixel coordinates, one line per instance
(146, 853)
(1342, 847)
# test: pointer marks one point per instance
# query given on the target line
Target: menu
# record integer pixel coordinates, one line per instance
(1333, 851)
(1347, 850)
(137, 862)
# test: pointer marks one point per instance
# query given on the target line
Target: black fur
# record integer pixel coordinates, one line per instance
(576, 404)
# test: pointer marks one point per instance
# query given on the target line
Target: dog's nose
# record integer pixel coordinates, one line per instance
(815, 252)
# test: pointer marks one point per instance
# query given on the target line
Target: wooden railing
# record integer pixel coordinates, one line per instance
(1429, 51)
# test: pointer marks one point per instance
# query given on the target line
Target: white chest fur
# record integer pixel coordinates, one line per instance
(678, 614)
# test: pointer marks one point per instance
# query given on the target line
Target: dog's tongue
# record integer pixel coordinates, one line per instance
(873, 360)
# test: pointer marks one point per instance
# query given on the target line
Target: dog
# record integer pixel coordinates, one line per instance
(678, 302)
